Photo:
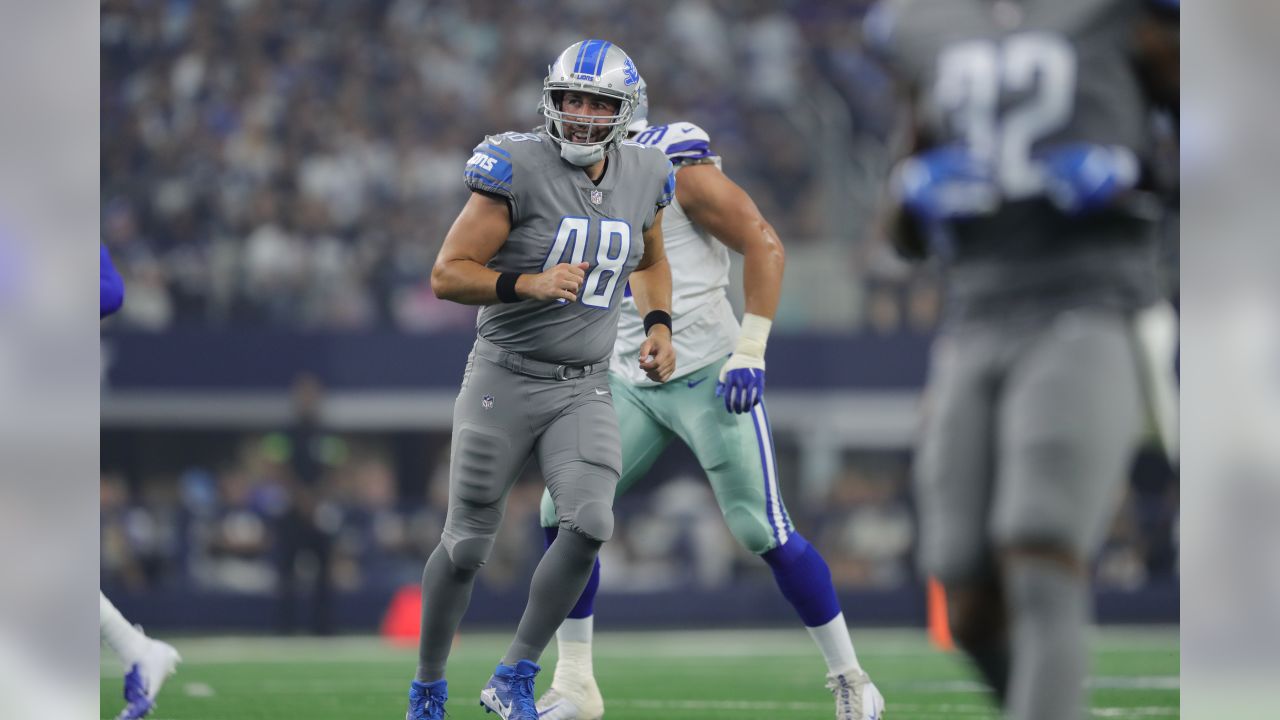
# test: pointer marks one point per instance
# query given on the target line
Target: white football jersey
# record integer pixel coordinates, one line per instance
(704, 327)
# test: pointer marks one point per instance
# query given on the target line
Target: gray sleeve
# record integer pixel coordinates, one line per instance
(667, 188)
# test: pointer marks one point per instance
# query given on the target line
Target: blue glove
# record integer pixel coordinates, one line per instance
(947, 183)
(1084, 177)
(741, 388)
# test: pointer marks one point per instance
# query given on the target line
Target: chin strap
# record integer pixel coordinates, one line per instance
(582, 155)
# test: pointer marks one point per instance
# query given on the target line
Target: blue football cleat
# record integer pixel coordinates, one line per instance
(510, 691)
(426, 700)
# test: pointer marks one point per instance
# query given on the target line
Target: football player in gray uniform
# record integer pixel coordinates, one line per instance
(546, 244)
(1028, 178)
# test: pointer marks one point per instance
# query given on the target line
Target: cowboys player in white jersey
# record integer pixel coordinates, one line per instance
(558, 221)
(716, 407)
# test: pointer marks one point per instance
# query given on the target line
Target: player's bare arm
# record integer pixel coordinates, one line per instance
(651, 288)
(717, 204)
(460, 275)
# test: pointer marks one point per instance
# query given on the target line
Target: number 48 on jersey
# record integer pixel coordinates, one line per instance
(613, 247)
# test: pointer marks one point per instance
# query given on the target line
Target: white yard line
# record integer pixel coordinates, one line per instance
(886, 643)
(916, 711)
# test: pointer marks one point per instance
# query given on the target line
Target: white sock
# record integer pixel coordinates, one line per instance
(576, 630)
(836, 645)
(127, 641)
(573, 640)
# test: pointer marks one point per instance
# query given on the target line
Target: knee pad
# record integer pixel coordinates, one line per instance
(468, 534)
(593, 520)
(470, 553)
(750, 530)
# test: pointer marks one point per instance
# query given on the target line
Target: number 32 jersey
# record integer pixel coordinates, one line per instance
(559, 215)
(1008, 79)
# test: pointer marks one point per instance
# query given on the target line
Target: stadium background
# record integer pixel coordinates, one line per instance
(276, 180)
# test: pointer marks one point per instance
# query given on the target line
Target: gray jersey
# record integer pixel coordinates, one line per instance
(1007, 79)
(559, 215)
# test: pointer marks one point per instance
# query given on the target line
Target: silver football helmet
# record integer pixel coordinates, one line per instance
(640, 118)
(597, 67)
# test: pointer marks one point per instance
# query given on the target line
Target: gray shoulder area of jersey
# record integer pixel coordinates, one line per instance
(508, 164)
(652, 163)
(648, 155)
(531, 151)
(537, 153)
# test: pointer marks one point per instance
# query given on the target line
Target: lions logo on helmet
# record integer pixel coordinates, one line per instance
(597, 67)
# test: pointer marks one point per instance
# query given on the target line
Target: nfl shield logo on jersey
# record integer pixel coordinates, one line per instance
(487, 402)
(597, 197)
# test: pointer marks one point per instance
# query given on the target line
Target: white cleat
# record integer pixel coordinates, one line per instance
(158, 662)
(577, 700)
(856, 696)
(146, 675)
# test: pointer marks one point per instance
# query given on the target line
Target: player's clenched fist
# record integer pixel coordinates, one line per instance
(658, 355)
(561, 282)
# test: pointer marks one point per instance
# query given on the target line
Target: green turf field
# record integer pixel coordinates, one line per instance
(774, 674)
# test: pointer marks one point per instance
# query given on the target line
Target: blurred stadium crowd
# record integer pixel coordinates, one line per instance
(219, 519)
(296, 164)
(219, 514)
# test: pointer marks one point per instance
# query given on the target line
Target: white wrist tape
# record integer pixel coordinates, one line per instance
(753, 337)
(749, 352)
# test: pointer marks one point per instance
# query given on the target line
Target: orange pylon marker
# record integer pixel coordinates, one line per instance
(939, 628)
(402, 620)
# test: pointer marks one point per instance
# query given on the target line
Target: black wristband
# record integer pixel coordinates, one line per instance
(656, 317)
(506, 287)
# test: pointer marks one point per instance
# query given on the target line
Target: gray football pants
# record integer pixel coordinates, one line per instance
(1030, 427)
(500, 419)
(511, 408)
